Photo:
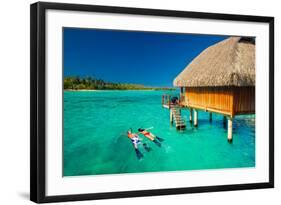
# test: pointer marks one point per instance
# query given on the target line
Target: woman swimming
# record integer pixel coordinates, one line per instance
(151, 136)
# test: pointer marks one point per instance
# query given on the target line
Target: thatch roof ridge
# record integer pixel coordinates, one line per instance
(230, 62)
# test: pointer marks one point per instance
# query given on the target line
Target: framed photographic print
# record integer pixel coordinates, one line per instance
(129, 102)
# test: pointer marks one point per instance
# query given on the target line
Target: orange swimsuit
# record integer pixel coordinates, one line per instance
(145, 133)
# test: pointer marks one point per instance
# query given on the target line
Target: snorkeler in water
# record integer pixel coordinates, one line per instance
(136, 141)
(151, 136)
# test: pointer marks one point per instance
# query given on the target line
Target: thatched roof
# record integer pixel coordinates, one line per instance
(230, 62)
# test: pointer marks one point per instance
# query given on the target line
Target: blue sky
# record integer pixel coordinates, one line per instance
(148, 58)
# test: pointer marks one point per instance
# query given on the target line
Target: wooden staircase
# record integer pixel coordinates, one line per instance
(176, 115)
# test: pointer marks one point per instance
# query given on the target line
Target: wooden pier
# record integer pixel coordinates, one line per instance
(175, 107)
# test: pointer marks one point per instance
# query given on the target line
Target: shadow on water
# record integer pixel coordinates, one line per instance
(126, 100)
(107, 106)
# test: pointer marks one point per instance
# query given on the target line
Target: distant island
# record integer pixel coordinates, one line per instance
(91, 83)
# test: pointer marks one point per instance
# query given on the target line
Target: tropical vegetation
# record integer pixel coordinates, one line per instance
(91, 83)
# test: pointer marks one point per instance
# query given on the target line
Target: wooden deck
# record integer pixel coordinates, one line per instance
(223, 104)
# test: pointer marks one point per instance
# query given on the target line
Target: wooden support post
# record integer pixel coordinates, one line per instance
(171, 116)
(224, 121)
(190, 115)
(211, 117)
(169, 101)
(229, 131)
(181, 92)
(195, 116)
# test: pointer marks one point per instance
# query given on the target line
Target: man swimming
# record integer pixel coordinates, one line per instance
(136, 140)
(151, 136)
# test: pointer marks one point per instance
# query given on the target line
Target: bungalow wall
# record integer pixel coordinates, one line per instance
(225, 100)
(244, 100)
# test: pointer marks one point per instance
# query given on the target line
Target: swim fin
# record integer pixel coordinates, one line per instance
(139, 154)
(157, 143)
(160, 139)
(146, 147)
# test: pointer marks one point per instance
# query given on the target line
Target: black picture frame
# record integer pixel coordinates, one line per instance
(38, 101)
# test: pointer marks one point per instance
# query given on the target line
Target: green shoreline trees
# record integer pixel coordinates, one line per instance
(90, 83)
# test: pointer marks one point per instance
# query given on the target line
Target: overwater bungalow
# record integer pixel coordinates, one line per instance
(221, 79)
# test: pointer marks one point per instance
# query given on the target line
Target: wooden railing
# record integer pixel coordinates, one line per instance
(167, 101)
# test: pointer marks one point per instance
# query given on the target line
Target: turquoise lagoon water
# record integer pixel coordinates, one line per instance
(95, 142)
